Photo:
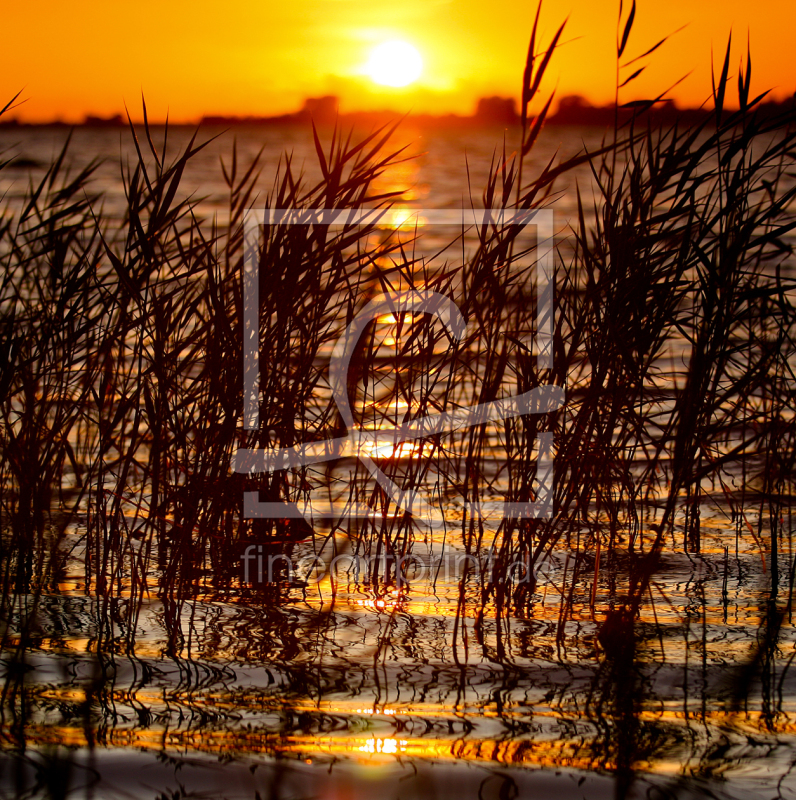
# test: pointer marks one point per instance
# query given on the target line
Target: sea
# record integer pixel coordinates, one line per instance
(398, 695)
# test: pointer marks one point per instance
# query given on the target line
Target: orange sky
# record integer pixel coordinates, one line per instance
(263, 57)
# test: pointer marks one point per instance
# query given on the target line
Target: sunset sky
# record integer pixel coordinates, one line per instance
(202, 57)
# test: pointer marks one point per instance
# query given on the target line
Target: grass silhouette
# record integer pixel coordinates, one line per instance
(121, 367)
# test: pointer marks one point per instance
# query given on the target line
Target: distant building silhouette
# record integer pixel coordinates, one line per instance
(576, 110)
(572, 110)
(116, 121)
(497, 110)
(321, 110)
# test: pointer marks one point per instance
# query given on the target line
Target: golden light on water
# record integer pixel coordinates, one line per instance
(395, 63)
(404, 218)
(386, 602)
(404, 450)
(391, 319)
(387, 746)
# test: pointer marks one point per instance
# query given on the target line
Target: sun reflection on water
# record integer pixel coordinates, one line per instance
(404, 450)
(385, 602)
(387, 746)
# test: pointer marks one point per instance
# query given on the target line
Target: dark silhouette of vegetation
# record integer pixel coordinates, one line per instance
(121, 408)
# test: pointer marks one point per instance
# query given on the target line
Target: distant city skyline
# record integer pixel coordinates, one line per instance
(260, 59)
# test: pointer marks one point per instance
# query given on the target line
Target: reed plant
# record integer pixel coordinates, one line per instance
(121, 358)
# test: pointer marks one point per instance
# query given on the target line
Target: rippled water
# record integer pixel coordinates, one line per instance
(319, 685)
(434, 176)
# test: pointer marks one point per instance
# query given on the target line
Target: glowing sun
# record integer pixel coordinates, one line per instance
(394, 64)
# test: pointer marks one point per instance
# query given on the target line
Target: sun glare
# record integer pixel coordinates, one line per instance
(394, 64)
